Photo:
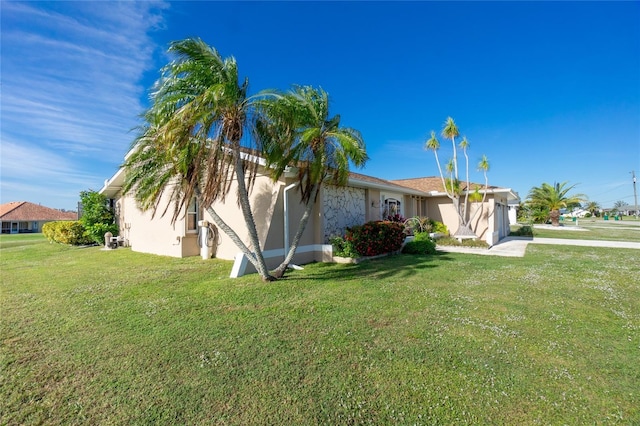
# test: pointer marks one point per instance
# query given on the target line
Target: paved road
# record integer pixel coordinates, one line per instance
(516, 246)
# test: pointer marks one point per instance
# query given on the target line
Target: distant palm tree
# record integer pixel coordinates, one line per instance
(299, 132)
(593, 207)
(552, 198)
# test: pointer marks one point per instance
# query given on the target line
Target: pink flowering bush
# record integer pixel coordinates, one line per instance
(374, 238)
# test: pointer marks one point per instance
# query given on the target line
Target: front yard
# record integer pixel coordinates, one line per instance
(117, 337)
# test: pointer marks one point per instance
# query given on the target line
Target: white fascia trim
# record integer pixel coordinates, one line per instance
(114, 184)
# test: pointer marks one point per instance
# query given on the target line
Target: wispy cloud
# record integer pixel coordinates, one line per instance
(72, 89)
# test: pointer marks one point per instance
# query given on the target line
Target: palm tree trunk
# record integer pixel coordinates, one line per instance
(466, 195)
(484, 197)
(455, 156)
(243, 197)
(220, 223)
(554, 215)
(281, 269)
(444, 184)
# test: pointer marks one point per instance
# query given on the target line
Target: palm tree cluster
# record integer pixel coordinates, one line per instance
(545, 201)
(451, 183)
(203, 132)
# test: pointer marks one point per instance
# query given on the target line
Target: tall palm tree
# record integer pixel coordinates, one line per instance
(450, 131)
(452, 185)
(433, 144)
(553, 198)
(299, 132)
(199, 122)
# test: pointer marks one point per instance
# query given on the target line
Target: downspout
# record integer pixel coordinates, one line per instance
(286, 221)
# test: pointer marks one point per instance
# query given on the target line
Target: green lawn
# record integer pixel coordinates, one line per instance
(594, 229)
(116, 337)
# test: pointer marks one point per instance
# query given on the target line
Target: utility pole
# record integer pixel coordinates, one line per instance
(635, 194)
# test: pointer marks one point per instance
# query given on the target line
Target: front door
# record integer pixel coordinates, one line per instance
(14, 227)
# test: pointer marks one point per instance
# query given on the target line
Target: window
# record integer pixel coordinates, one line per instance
(391, 208)
(193, 216)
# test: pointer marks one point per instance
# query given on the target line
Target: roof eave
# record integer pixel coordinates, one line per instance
(113, 185)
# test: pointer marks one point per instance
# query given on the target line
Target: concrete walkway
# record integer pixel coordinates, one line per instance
(516, 246)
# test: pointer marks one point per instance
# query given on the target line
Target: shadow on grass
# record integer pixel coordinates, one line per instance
(395, 266)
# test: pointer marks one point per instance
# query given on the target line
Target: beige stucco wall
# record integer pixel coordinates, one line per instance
(155, 235)
(484, 224)
(372, 204)
(263, 199)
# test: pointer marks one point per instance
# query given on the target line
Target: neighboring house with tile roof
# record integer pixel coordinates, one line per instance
(277, 206)
(22, 216)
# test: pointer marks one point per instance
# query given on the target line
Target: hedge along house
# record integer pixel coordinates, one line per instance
(491, 224)
(277, 210)
(25, 217)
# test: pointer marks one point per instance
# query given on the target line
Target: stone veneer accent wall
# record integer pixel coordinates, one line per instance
(343, 207)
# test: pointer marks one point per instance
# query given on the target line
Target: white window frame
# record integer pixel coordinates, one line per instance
(192, 217)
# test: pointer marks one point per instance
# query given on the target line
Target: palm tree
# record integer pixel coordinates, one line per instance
(299, 132)
(552, 198)
(452, 185)
(450, 131)
(593, 207)
(197, 126)
(433, 144)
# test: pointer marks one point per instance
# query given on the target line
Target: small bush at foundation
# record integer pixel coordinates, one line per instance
(421, 244)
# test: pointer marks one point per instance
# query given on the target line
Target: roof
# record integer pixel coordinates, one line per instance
(26, 211)
(358, 179)
(433, 186)
(432, 183)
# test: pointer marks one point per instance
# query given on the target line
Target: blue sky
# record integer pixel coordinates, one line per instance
(549, 91)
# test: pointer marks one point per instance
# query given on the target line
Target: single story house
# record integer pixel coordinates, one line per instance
(22, 216)
(626, 210)
(277, 206)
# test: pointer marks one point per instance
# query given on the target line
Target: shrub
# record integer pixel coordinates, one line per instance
(421, 244)
(451, 241)
(97, 218)
(523, 231)
(374, 238)
(439, 227)
(419, 224)
(343, 248)
(395, 218)
(66, 232)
